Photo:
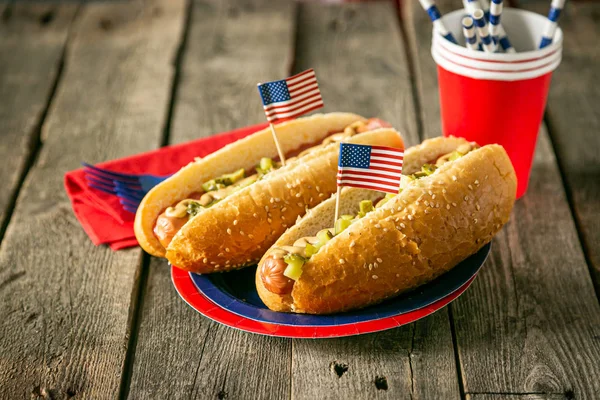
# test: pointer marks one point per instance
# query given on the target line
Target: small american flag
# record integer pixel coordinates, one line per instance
(370, 167)
(291, 97)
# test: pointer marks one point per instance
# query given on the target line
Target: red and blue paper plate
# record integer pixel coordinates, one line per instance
(231, 299)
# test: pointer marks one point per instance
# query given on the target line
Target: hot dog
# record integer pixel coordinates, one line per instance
(173, 218)
(454, 198)
(203, 189)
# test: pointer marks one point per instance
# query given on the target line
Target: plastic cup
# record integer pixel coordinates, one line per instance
(497, 97)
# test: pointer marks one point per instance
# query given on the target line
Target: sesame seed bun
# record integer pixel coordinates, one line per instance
(431, 226)
(244, 153)
(236, 232)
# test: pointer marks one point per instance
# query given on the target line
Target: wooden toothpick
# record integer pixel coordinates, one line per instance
(281, 155)
(337, 204)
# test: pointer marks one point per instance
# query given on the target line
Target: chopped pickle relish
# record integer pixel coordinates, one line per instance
(218, 188)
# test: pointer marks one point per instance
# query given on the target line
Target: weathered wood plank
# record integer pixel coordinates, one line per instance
(414, 361)
(64, 303)
(508, 396)
(534, 303)
(32, 39)
(360, 59)
(418, 30)
(181, 354)
(573, 119)
(433, 363)
(362, 367)
(530, 322)
(231, 46)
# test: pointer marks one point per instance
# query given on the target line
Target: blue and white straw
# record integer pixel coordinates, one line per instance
(503, 40)
(494, 18)
(482, 29)
(485, 6)
(469, 7)
(502, 37)
(469, 32)
(550, 28)
(435, 17)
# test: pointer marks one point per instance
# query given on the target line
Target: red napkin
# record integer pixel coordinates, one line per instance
(101, 215)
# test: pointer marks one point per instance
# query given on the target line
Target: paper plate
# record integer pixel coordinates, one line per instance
(232, 300)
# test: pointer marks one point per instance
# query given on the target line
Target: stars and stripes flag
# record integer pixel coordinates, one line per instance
(291, 97)
(370, 167)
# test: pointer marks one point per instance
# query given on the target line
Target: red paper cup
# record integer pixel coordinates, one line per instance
(496, 97)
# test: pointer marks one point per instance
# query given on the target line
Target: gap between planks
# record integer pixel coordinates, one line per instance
(138, 294)
(512, 382)
(404, 356)
(410, 51)
(410, 62)
(556, 114)
(459, 374)
(35, 141)
(134, 321)
(562, 170)
(216, 50)
(63, 372)
(177, 63)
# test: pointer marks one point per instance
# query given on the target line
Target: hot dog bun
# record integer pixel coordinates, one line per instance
(244, 153)
(431, 226)
(236, 232)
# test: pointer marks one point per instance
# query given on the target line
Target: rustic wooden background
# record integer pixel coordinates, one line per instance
(108, 79)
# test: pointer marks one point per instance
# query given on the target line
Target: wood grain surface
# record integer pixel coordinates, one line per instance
(415, 361)
(505, 396)
(64, 304)
(529, 323)
(230, 47)
(360, 59)
(418, 35)
(573, 119)
(32, 40)
(103, 80)
(358, 53)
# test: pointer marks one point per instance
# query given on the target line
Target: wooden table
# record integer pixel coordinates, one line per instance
(108, 79)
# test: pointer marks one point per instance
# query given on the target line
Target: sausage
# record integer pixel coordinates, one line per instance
(372, 124)
(271, 274)
(166, 228)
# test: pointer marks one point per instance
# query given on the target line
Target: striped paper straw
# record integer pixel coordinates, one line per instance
(494, 18)
(435, 17)
(553, 16)
(502, 37)
(472, 5)
(469, 7)
(469, 32)
(482, 29)
(485, 6)
(504, 42)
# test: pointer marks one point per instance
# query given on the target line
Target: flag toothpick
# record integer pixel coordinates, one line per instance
(368, 167)
(289, 98)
